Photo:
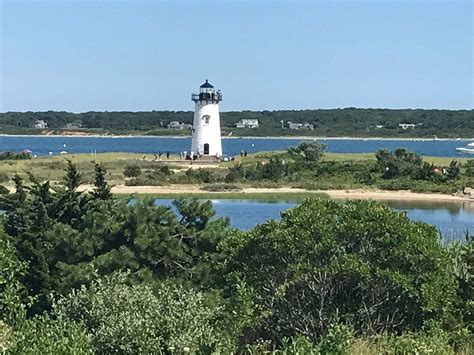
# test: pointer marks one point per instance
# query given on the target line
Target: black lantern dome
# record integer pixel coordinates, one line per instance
(207, 85)
(207, 93)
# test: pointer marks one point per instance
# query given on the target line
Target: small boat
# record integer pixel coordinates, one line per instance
(471, 144)
(466, 150)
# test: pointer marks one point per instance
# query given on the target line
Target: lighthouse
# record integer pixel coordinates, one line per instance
(206, 125)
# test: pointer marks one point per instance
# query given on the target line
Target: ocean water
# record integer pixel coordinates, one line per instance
(42, 145)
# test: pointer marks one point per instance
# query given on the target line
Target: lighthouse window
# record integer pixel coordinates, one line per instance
(206, 119)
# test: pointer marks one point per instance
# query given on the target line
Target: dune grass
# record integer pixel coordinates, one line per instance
(260, 196)
(52, 168)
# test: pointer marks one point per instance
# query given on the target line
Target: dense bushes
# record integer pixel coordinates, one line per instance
(132, 171)
(136, 319)
(14, 156)
(360, 262)
(85, 272)
(45, 335)
(304, 167)
(403, 163)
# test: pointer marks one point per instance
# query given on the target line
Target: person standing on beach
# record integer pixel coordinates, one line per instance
(167, 154)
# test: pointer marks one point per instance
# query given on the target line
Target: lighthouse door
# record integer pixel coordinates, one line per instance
(206, 148)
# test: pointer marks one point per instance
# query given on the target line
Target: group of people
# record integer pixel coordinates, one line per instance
(158, 156)
(185, 155)
(190, 155)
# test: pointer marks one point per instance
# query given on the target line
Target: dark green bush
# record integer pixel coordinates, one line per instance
(132, 171)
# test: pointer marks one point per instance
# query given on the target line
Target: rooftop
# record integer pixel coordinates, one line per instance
(207, 85)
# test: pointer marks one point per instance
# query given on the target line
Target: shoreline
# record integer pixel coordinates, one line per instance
(112, 136)
(357, 194)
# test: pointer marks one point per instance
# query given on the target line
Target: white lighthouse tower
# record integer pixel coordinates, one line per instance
(206, 125)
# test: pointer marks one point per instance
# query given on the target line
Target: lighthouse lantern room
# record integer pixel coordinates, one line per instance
(206, 125)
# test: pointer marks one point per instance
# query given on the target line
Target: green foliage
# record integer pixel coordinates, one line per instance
(14, 156)
(236, 173)
(399, 163)
(307, 154)
(453, 171)
(134, 319)
(132, 171)
(201, 176)
(4, 177)
(44, 335)
(337, 340)
(73, 178)
(410, 343)
(274, 170)
(194, 285)
(4, 190)
(6, 337)
(469, 166)
(462, 255)
(65, 235)
(334, 122)
(360, 261)
(299, 345)
(11, 271)
(101, 188)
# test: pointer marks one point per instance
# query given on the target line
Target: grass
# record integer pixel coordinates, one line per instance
(52, 169)
(261, 196)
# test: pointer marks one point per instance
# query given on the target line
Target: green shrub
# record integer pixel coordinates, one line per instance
(201, 175)
(4, 177)
(469, 168)
(337, 340)
(44, 335)
(4, 190)
(132, 171)
(138, 320)
(436, 342)
(12, 269)
(360, 261)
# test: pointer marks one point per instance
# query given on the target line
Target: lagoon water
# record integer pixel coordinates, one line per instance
(451, 219)
(42, 145)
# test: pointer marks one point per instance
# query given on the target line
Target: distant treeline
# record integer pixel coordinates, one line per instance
(333, 122)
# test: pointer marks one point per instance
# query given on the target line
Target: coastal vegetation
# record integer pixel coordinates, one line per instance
(305, 167)
(349, 122)
(86, 272)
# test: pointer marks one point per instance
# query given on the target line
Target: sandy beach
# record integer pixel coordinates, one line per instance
(359, 194)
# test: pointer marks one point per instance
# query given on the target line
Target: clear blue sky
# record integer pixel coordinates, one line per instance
(151, 55)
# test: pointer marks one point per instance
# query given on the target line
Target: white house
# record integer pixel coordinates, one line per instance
(300, 126)
(178, 125)
(247, 123)
(41, 124)
(407, 125)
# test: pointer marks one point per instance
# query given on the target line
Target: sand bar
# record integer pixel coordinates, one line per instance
(358, 194)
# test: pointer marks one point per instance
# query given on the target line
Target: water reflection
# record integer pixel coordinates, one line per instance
(452, 219)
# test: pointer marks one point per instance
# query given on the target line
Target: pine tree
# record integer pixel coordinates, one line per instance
(102, 189)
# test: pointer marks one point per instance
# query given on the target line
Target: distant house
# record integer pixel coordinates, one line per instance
(178, 125)
(247, 123)
(41, 124)
(407, 125)
(73, 125)
(300, 126)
